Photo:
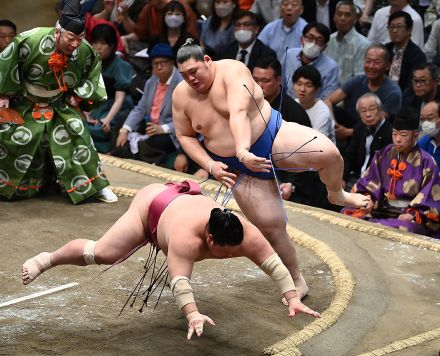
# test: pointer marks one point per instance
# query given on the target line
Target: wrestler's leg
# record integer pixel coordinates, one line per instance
(125, 234)
(320, 154)
(260, 202)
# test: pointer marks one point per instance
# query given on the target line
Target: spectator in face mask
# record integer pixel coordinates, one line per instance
(217, 31)
(174, 25)
(430, 122)
(246, 47)
(313, 42)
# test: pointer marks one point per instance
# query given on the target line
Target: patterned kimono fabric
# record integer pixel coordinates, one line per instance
(401, 184)
(39, 81)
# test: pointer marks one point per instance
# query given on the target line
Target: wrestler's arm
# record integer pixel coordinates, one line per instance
(239, 90)
(181, 257)
(259, 251)
(192, 146)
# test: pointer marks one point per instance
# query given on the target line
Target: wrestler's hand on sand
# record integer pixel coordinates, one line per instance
(196, 322)
(219, 171)
(255, 163)
(295, 307)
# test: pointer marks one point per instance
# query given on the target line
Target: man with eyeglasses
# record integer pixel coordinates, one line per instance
(403, 182)
(370, 135)
(379, 33)
(405, 55)
(155, 142)
(284, 32)
(313, 42)
(246, 47)
(425, 86)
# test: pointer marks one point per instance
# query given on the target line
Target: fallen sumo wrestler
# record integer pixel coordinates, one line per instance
(177, 219)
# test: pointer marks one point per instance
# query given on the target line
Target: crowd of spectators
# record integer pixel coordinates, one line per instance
(344, 67)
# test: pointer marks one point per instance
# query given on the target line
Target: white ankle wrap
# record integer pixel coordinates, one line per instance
(279, 273)
(89, 252)
(182, 291)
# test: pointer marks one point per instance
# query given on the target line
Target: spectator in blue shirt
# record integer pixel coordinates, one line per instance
(314, 40)
(430, 120)
(284, 32)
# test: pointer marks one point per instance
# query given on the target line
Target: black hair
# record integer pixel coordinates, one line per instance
(386, 54)
(308, 72)
(267, 62)
(104, 32)
(190, 50)
(225, 227)
(215, 19)
(171, 6)
(320, 27)
(243, 13)
(432, 68)
(407, 17)
(8, 23)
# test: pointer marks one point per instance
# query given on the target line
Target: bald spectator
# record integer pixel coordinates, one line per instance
(347, 46)
(286, 31)
(8, 31)
(379, 32)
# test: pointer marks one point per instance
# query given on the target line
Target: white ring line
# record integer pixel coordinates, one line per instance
(38, 294)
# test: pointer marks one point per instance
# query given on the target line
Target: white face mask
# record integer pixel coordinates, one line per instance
(174, 21)
(223, 10)
(311, 49)
(429, 128)
(243, 36)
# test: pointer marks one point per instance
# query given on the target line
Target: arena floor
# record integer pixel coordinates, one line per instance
(378, 290)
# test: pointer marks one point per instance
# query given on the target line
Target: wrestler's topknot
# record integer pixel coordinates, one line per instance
(190, 50)
(225, 227)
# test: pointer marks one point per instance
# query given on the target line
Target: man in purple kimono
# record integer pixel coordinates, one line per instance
(403, 182)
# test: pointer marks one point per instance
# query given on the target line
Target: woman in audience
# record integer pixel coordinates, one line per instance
(174, 27)
(117, 79)
(217, 31)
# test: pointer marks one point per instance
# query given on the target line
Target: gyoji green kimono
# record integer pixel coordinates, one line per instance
(30, 152)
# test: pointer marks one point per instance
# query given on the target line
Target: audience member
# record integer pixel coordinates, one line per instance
(347, 46)
(404, 54)
(149, 24)
(8, 31)
(267, 74)
(246, 47)
(425, 86)
(158, 140)
(375, 80)
(117, 78)
(313, 42)
(369, 136)
(322, 11)
(174, 23)
(218, 31)
(430, 120)
(379, 33)
(286, 31)
(432, 45)
(306, 83)
(117, 13)
(403, 182)
(366, 8)
(267, 10)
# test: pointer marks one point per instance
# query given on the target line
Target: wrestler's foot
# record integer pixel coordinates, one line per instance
(353, 200)
(33, 267)
(301, 289)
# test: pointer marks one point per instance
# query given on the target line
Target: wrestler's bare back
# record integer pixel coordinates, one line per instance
(208, 113)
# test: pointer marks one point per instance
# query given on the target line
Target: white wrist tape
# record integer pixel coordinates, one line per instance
(89, 252)
(279, 273)
(182, 291)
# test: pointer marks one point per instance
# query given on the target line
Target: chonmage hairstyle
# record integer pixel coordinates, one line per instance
(225, 227)
(190, 50)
